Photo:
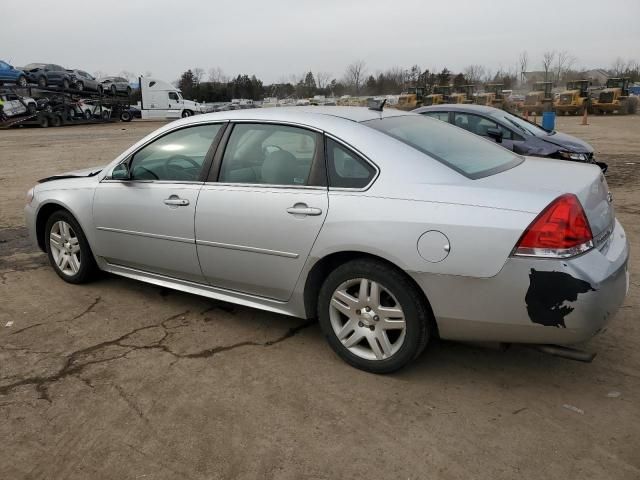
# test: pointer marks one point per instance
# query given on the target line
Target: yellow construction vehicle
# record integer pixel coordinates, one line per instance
(575, 99)
(492, 96)
(539, 99)
(439, 95)
(412, 98)
(462, 94)
(615, 98)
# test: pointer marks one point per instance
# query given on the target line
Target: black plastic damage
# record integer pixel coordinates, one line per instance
(548, 291)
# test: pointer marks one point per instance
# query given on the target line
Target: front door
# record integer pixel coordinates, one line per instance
(257, 224)
(147, 222)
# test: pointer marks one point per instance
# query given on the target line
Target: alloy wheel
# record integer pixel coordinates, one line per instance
(367, 319)
(65, 248)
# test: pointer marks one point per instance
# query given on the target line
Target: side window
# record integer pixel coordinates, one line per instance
(268, 154)
(479, 125)
(444, 116)
(177, 156)
(346, 169)
(3, 66)
(173, 96)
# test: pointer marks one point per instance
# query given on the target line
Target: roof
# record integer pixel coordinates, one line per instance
(457, 108)
(308, 113)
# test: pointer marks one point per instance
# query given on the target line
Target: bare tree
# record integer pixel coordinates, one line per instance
(618, 67)
(473, 74)
(322, 79)
(354, 74)
(216, 75)
(127, 74)
(99, 74)
(547, 62)
(564, 62)
(523, 62)
(198, 75)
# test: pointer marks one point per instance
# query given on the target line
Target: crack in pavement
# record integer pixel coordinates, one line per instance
(74, 365)
(88, 309)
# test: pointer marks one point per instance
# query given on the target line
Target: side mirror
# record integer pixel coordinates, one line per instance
(121, 172)
(495, 133)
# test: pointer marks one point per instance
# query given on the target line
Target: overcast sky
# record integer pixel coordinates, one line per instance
(276, 38)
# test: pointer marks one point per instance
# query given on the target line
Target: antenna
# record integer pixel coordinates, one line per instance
(377, 105)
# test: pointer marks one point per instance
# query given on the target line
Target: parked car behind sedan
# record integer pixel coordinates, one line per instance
(10, 74)
(390, 227)
(115, 85)
(513, 132)
(81, 80)
(45, 74)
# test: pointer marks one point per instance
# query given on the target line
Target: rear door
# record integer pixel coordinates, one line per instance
(259, 215)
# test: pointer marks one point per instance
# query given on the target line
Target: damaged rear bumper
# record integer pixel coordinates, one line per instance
(533, 300)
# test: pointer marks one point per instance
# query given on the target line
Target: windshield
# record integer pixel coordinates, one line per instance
(34, 65)
(520, 123)
(464, 152)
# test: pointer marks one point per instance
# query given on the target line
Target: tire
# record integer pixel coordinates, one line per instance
(128, 91)
(56, 120)
(68, 250)
(114, 90)
(65, 84)
(42, 81)
(79, 86)
(88, 115)
(22, 81)
(125, 116)
(99, 90)
(32, 108)
(106, 115)
(44, 121)
(364, 328)
(186, 113)
(632, 105)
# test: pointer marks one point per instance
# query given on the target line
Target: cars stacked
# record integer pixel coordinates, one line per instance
(45, 74)
(10, 74)
(115, 85)
(82, 80)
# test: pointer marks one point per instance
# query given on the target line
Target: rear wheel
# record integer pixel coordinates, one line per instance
(68, 250)
(186, 113)
(65, 83)
(113, 90)
(125, 116)
(372, 316)
(22, 81)
(79, 86)
(88, 115)
(42, 82)
(56, 120)
(106, 114)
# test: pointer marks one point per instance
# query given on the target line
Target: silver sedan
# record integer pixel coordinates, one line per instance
(389, 227)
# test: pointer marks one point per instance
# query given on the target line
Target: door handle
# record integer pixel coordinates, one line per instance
(303, 209)
(176, 201)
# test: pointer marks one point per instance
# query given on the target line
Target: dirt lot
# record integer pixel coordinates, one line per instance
(121, 380)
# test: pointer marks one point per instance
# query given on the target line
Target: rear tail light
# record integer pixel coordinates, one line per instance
(561, 230)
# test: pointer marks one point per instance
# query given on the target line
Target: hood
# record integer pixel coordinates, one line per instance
(568, 142)
(87, 172)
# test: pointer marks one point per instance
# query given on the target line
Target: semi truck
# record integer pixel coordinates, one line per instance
(160, 99)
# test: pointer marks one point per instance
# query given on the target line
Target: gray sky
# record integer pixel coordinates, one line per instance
(277, 38)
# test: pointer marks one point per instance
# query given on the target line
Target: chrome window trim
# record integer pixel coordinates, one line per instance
(361, 155)
(279, 122)
(265, 186)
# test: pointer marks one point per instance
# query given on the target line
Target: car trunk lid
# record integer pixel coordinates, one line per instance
(558, 177)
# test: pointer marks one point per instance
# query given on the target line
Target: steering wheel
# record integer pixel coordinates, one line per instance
(182, 157)
(265, 151)
(148, 171)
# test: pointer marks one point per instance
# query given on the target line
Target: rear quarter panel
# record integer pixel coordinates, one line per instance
(481, 239)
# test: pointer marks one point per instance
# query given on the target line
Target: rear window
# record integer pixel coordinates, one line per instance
(464, 152)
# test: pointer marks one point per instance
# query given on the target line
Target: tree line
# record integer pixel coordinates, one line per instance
(557, 67)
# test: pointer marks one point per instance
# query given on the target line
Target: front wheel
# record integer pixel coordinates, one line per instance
(79, 86)
(186, 113)
(373, 316)
(68, 250)
(125, 116)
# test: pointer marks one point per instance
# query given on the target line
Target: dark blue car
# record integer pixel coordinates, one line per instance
(9, 74)
(513, 132)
